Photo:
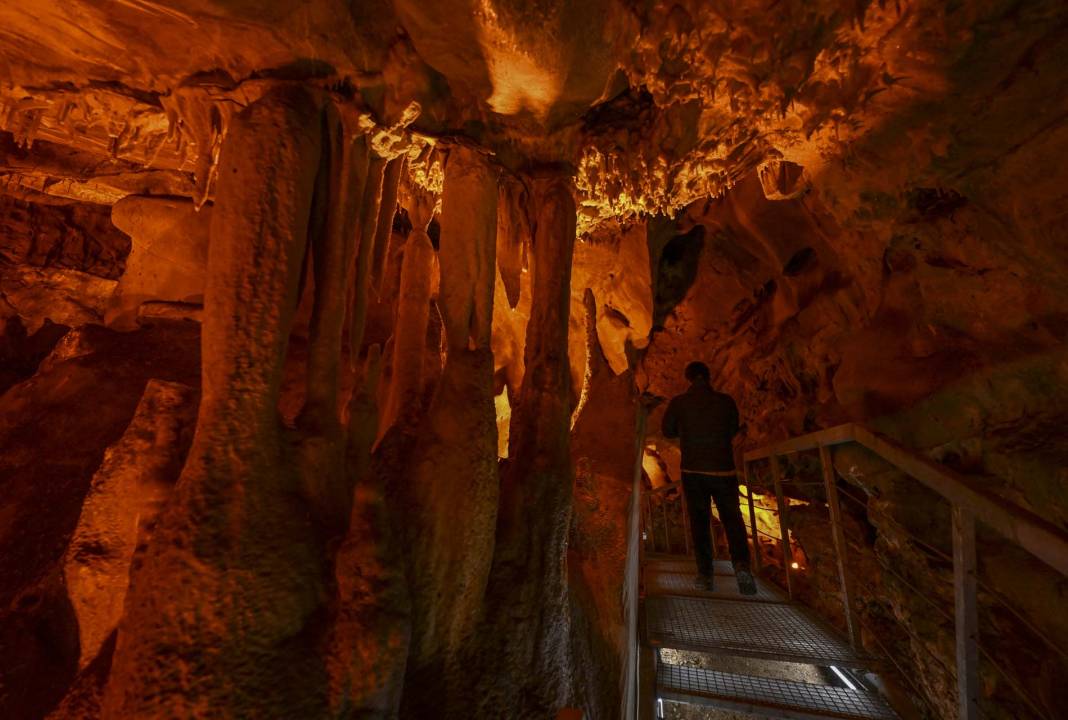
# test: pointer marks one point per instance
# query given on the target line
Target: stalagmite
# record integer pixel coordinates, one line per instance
(368, 644)
(526, 630)
(128, 490)
(237, 538)
(451, 496)
(430, 263)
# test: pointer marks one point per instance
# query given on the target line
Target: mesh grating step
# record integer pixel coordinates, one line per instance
(767, 696)
(756, 629)
(685, 564)
(667, 582)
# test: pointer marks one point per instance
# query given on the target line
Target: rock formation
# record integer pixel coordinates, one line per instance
(323, 326)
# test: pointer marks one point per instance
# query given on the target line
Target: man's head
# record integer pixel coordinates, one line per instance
(698, 372)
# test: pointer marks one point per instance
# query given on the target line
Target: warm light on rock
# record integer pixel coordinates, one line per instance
(326, 327)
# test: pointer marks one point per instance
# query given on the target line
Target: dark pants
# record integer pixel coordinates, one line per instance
(700, 491)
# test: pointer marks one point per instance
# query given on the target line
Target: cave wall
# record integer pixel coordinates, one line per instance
(850, 210)
(918, 289)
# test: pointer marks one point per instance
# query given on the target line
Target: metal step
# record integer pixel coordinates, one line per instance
(767, 696)
(676, 578)
(685, 564)
(775, 631)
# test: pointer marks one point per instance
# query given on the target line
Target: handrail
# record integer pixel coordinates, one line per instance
(968, 503)
(632, 700)
(1038, 536)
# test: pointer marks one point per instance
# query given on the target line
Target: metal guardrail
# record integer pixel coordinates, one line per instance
(968, 503)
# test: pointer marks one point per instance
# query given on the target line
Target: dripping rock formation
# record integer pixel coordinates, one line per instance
(326, 328)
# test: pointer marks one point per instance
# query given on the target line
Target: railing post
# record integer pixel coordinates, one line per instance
(631, 590)
(685, 519)
(646, 534)
(667, 529)
(967, 620)
(784, 525)
(752, 518)
(838, 533)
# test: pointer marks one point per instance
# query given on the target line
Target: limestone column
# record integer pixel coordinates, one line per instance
(527, 625)
(219, 616)
(451, 492)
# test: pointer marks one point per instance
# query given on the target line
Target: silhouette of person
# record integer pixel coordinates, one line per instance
(705, 422)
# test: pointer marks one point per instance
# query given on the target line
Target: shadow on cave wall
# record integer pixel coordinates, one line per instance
(676, 272)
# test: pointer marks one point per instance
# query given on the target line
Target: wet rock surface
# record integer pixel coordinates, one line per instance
(56, 427)
(407, 228)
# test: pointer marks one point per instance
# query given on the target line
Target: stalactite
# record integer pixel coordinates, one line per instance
(413, 310)
(368, 643)
(387, 209)
(468, 269)
(513, 236)
(332, 253)
(451, 496)
(361, 152)
(589, 303)
(527, 605)
(199, 118)
(368, 221)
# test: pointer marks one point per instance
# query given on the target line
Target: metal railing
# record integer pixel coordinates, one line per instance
(968, 504)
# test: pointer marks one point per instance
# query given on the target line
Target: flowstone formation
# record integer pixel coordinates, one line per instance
(324, 324)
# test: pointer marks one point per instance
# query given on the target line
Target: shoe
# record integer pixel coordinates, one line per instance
(746, 583)
(703, 582)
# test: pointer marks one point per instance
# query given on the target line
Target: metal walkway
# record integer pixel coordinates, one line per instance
(725, 624)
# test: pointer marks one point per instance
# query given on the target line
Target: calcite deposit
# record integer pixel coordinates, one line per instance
(324, 328)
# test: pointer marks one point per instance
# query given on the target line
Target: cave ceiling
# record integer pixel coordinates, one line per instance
(655, 104)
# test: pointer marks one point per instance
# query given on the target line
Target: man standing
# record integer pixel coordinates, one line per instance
(705, 421)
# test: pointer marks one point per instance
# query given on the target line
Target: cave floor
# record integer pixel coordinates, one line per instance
(723, 655)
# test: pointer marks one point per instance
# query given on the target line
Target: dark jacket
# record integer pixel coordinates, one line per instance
(705, 421)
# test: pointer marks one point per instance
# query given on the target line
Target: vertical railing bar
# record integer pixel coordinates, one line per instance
(634, 564)
(967, 619)
(784, 526)
(685, 521)
(712, 532)
(653, 521)
(667, 530)
(646, 525)
(752, 518)
(838, 535)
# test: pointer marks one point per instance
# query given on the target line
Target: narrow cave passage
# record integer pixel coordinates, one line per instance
(524, 360)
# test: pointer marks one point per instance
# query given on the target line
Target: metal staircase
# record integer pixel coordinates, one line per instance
(726, 624)
(667, 614)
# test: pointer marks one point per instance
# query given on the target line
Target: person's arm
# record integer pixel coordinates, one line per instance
(669, 426)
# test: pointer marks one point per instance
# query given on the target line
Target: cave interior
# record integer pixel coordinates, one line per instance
(335, 335)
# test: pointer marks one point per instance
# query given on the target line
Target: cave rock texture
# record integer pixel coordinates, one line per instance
(325, 327)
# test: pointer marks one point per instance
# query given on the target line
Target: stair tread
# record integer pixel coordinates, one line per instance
(768, 696)
(769, 630)
(676, 577)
